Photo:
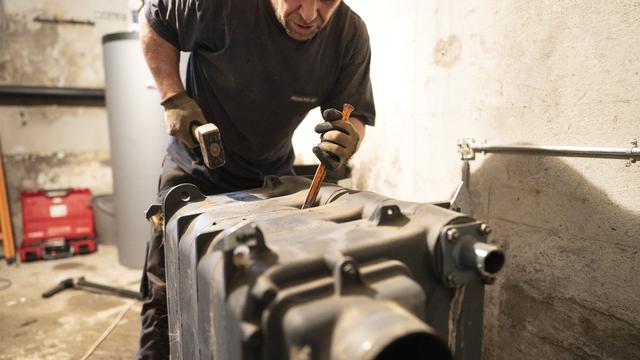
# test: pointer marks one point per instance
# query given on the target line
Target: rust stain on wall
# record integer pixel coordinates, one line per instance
(3, 39)
(55, 54)
(447, 51)
(28, 52)
(3, 23)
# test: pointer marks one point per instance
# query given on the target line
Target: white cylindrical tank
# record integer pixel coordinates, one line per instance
(138, 141)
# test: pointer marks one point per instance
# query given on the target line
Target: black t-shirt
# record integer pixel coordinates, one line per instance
(257, 84)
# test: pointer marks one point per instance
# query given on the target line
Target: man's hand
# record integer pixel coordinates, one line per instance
(181, 114)
(339, 140)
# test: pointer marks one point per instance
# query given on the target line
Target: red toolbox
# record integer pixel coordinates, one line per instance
(56, 223)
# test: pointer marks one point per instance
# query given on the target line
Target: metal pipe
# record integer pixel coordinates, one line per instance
(43, 91)
(484, 258)
(468, 148)
(598, 152)
(37, 95)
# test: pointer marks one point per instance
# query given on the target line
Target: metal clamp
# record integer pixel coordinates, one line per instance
(466, 148)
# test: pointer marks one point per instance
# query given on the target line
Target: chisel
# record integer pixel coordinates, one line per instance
(321, 172)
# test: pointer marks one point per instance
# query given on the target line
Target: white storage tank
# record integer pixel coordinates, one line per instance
(138, 141)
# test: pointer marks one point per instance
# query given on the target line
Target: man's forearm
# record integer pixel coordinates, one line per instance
(162, 59)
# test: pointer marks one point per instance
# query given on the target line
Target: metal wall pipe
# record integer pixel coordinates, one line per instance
(43, 95)
(468, 148)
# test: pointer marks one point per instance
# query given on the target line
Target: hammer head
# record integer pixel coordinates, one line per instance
(210, 142)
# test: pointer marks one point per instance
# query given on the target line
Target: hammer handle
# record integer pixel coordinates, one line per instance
(194, 134)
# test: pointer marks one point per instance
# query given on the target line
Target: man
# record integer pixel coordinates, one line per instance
(256, 69)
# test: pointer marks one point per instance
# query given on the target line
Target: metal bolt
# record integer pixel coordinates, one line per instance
(485, 229)
(348, 268)
(157, 221)
(451, 280)
(452, 234)
(630, 162)
(242, 256)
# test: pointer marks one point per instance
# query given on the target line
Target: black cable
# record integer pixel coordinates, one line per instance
(6, 285)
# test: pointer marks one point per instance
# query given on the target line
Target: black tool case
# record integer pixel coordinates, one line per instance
(358, 276)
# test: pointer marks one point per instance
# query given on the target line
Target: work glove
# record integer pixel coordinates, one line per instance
(339, 140)
(181, 115)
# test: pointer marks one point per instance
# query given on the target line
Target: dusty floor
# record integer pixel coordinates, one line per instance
(68, 324)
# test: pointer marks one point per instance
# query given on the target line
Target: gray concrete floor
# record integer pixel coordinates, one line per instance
(67, 325)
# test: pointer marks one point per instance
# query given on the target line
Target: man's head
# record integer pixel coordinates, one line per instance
(302, 19)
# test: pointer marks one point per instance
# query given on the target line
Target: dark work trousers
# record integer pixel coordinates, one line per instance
(154, 336)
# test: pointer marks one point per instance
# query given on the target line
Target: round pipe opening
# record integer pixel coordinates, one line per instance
(494, 261)
(479, 256)
(380, 330)
(416, 346)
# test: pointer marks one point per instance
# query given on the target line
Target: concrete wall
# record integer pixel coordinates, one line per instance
(540, 72)
(55, 146)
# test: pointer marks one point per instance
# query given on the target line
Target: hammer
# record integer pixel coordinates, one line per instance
(210, 141)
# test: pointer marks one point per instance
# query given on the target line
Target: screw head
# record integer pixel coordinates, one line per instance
(242, 256)
(452, 234)
(451, 280)
(485, 229)
(348, 268)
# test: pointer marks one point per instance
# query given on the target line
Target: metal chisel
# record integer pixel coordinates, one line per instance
(321, 172)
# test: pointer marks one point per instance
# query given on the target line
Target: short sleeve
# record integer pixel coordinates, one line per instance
(176, 21)
(353, 84)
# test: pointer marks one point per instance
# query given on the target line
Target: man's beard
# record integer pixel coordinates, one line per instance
(298, 28)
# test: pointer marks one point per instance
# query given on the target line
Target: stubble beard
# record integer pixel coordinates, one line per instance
(291, 21)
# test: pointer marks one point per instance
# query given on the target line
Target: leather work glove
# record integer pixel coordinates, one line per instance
(181, 115)
(339, 140)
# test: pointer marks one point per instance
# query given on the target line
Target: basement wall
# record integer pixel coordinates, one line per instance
(528, 72)
(55, 146)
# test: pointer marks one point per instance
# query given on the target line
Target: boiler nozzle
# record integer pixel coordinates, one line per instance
(484, 258)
